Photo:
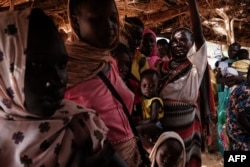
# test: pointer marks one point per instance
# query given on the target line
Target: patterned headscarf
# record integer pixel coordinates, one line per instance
(29, 140)
(85, 61)
(164, 136)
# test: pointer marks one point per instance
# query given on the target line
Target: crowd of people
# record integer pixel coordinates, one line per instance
(114, 95)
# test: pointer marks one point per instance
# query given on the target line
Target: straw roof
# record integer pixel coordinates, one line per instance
(219, 17)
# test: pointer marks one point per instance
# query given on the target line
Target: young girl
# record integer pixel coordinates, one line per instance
(149, 47)
(39, 127)
(152, 106)
(168, 151)
(95, 26)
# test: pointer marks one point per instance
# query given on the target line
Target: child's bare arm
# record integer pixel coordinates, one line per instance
(155, 107)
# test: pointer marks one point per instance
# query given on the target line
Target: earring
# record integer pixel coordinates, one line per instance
(47, 84)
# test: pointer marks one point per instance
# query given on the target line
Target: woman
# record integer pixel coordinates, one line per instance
(95, 26)
(180, 86)
(38, 127)
(238, 117)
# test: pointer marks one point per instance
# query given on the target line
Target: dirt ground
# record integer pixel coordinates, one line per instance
(212, 159)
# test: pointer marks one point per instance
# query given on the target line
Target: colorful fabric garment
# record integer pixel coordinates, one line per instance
(180, 98)
(163, 137)
(238, 101)
(29, 140)
(93, 93)
(146, 107)
(135, 68)
(241, 66)
(85, 61)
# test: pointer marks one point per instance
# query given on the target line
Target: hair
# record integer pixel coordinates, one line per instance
(121, 48)
(40, 20)
(73, 11)
(134, 22)
(235, 44)
(242, 54)
(162, 42)
(149, 72)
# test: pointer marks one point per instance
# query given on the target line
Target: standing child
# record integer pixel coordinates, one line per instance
(152, 106)
(95, 26)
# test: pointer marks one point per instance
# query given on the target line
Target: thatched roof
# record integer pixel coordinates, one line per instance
(219, 17)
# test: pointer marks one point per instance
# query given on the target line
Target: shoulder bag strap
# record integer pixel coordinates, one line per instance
(125, 109)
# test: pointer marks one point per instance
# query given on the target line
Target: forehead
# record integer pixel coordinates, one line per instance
(233, 47)
(181, 34)
(92, 7)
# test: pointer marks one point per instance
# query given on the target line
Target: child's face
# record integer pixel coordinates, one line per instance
(149, 86)
(168, 153)
(148, 43)
(45, 74)
(124, 64)
(98, 23)
(162, 49)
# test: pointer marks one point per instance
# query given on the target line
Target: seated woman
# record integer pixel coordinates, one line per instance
(39, 127)
(168, 151)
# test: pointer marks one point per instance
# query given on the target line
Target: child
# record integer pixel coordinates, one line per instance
(168, 151)
(163, 49)
(152, 106)
(122, 55)
(149, 47)
(39, 127)
(95, 27)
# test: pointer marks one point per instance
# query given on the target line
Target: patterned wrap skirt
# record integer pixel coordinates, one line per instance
(184, 119)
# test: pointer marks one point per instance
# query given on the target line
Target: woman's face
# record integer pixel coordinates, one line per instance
(45, 74)
(148, 43)
(98, 23)
(181, 42)
(167, 154)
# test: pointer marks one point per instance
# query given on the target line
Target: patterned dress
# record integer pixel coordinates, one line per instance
(239, 101)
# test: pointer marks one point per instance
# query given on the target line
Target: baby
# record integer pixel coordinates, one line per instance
(168, 151)
(152, 106)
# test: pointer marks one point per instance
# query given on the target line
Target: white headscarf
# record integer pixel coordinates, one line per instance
(164, 136)
(26, 139)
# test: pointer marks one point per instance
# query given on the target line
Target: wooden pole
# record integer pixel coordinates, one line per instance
(12, 4)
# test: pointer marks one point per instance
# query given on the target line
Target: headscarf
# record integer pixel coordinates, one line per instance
(29, 140)
(164, 136)
(85, 61)
(153, 55)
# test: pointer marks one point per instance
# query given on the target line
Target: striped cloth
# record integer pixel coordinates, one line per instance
(184, 119)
